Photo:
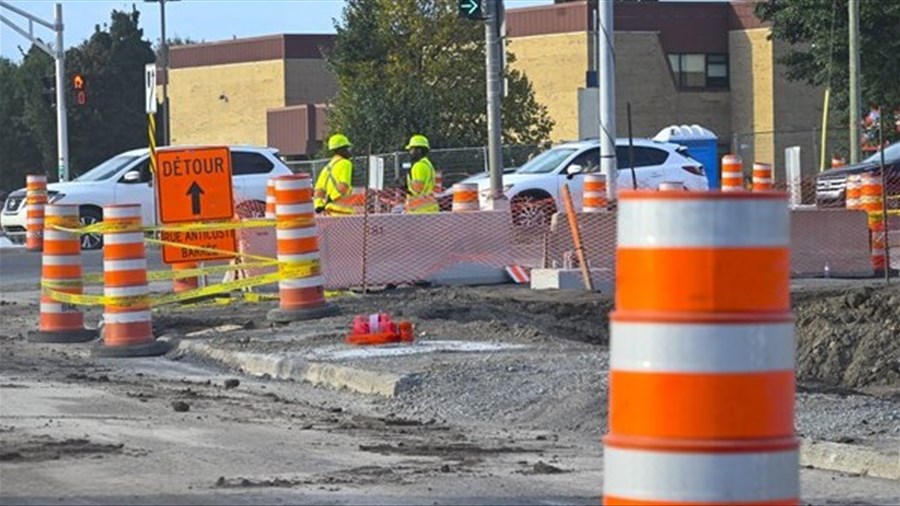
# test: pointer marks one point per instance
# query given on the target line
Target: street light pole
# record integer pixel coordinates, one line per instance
(164, 56)
(855, 111)
(62, 134)
(494, 64)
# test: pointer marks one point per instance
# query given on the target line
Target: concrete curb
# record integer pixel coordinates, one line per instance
(281, 366)
(847, 458)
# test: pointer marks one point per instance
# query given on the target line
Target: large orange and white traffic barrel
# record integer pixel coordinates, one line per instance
(853, 191)
(701, 401)
(763, 177)
(732, 173)
(302, 297)
(61, 271)
(872, 201)
(270, 199)
(594, 197)
(35, 201)
(838, 161)
(127, 325)
(465, 197)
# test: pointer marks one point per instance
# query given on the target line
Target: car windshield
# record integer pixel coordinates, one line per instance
(546, 161)
(107, 169)
(891, 154)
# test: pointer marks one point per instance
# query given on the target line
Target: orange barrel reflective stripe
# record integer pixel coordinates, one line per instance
(668, 186)
(732, 173)
(127, 325)
(61, 271)
(301, 297)
(594, 198)
(465, 197)
(701, 401)
(853, 191)
(270, 199)
(35, 200)
(184, 284)
(763, 177)
(871, 200)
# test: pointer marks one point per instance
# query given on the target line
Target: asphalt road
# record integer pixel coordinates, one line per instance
(20, 269)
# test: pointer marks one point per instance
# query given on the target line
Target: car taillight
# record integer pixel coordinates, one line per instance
(696, 170)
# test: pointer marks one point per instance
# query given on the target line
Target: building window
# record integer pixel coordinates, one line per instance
(699, 70)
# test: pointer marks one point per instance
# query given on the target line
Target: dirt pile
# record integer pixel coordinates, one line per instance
(849, 338)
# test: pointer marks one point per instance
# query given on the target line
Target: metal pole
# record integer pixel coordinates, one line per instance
(886, 229)
(165, 58)
(62, 131)
(853, 6)
(607, 84)
(493, 60)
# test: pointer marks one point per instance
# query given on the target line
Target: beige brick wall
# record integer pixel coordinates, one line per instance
(309, 81)
(199, 116)
(752, 92)
(798, 114)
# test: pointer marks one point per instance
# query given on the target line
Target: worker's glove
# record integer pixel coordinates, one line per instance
(320, 209)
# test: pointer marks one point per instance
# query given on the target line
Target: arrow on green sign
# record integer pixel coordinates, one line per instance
(470, 6)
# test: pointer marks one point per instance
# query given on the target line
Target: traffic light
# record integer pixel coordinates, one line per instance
(471, 9)
(79, 87)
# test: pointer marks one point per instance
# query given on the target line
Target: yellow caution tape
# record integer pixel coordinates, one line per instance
(101, 227)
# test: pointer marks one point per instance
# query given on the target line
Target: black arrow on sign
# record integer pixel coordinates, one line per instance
(195, 191)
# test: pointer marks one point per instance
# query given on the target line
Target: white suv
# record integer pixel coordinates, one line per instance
(126, 179)
(541, 179)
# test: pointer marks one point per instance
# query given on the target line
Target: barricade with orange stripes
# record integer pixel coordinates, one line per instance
(127, 325)
(872, 201)
(732, 173)
(270, 199)
(465, 197)
(35, 200)
(61, 269)
(301, 298)
(854, 191)
(594, 197)
(763, 177)
(701, 402)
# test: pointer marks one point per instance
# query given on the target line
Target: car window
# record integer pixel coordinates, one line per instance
(589, 160)
(546, 162)
(643, 156)
(144, 167)
(244, 163)
(107, 169)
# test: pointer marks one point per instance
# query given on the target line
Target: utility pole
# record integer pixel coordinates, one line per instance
(607, 82)
(59, 54)
(494, 67)
(164, 56)
(853, 15)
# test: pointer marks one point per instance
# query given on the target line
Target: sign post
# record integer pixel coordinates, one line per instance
(195, 185)
(150, 107)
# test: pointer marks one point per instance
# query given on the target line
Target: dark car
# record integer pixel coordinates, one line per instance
(831, 185)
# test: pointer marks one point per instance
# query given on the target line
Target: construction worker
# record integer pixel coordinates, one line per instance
(420, 181)
(334, 185)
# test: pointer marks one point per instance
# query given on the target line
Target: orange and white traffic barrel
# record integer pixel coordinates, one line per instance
(61, 271)
(872, 201)
(465, 197)
(701, 401)
(438, 182)
(732, 173)
(594, 197)
(127, 325)
(837, 162)
(35, 200)
(180, 285)
(669, 186)
(301, 297)
(270, 200)
(763, 177)
(853, 191)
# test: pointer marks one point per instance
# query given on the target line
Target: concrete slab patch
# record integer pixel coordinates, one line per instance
(336, 353)
(847, 458)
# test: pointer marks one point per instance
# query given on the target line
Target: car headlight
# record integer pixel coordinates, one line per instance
(56, 197)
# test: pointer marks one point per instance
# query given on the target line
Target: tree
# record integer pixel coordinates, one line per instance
(18, 153)
(817, 31)
(413, 66)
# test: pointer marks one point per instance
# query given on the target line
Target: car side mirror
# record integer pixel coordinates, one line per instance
(573, 170)
(132, 176)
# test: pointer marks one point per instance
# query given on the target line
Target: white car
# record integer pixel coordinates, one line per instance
(540, 180)
(126, 179)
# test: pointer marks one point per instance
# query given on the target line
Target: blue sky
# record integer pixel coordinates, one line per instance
(207, 20)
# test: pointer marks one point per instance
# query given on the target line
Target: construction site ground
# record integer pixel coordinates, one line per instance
(502, 400)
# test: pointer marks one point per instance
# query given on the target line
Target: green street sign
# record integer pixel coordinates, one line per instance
(471, 9)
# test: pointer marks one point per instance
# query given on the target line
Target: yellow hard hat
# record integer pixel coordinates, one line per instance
(418, 141)
(338, 141)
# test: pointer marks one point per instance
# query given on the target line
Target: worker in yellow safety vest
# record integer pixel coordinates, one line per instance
(420, 181)
(334, 185)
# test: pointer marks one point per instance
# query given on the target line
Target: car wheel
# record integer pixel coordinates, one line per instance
(90, 216)
(532, 210)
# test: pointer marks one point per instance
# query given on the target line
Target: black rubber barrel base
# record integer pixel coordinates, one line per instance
(62, 336)
(153, 349)
(279, 315)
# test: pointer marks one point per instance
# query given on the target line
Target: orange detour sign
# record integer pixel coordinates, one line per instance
(194, 185)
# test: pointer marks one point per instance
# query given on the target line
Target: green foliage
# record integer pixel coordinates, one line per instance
(113, 120)
(819, 55)
(413, 66)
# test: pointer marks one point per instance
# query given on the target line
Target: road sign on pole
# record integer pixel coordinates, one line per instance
(150, 88)
(195, 185)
